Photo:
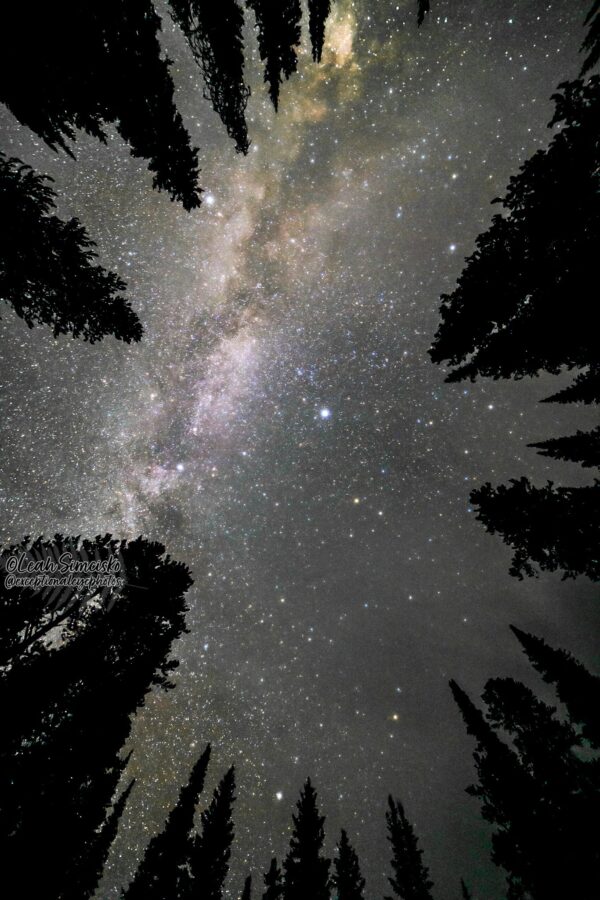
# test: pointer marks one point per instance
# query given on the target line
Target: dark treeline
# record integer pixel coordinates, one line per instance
(74, 668)
(47, 272)
(526, 303)
(67, 706)
(63, 69)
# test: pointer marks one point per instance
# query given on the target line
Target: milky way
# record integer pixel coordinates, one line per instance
(281, 428)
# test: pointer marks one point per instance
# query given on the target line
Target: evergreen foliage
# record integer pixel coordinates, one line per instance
(538, 787)
(273, 882)
(583, 447)
(211, 849)
(47, 273)
(347, 879)
(410, 880)
(549, 528)
(164, 871)
(278, 25)
(214, 33)
(67, 710)
(306, 871)
(523, 301)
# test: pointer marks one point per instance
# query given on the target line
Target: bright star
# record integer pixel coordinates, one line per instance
(325, 413)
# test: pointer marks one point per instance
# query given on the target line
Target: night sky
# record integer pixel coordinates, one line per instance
(282, 430)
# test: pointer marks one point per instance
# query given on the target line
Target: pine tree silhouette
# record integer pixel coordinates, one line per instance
(508, 316)
(306, 872)
(55, 85)
(278, 25)
(273, 882)
(214, 33)
(423, 8)
(47, 272)
(584, 389)
(318, 13)
(577, 688)
(247, 892)
(164, 871)
(591, 43)
(411, 878)
(100, 844)
(551, 528)
(67, 713)
(583, 447)
(347, 880)
(212, 848)
(542, 795)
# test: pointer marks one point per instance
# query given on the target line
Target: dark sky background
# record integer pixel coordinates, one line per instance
(282, 430)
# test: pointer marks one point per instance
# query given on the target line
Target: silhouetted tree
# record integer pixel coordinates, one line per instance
(55, 84)
(591, 43)
(273, 882)
(100, 844)
(464, 890)
(67, 709)
(551, 528)
(318, 12)
(278, 25)
(423, 7)
(540, 793)
(306, 872)
(577, 688)
(347, 879)
(47, 272)
(212, 848)
(583, 447)
(247, 892)
(584, 389)
(523, 301)
(411, 878)
(164, 871)
(214, 33)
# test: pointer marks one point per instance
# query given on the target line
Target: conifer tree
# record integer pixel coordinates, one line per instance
(585, 388)
(464, 890)
(214, 33)
(306, 872)
(551, 528)
(542, 796)
(522, 304)
(247, 892)
(278, 25)
(47, 272)
(577, 688)
(100, 844)
(212, 848)
(56, 85)
(318, 12)
(164, 872)
(67, 711)
(410, 880)
(273, 882)
(347, 880)
(423, 7)
(583, 447)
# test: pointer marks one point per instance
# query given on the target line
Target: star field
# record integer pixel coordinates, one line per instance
(282, 430)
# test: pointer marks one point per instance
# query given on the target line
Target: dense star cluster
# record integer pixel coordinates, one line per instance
(281, 428)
